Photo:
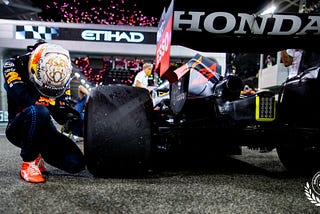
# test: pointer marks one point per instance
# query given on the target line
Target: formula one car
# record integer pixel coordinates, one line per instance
(126, 127)
(125, 130)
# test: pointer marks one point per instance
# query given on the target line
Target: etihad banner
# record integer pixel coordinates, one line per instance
(76, 34)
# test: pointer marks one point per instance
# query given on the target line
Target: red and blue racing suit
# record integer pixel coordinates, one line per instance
(30, 124)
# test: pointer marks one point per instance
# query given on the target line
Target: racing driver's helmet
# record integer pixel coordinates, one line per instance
(50, 69)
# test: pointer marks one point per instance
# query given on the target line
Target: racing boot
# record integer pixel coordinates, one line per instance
(40, 163)
(30, 172)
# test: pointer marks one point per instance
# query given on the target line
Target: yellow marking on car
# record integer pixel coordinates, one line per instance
(265, 109)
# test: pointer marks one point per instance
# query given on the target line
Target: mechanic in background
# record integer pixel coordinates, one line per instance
(291, 58)
(269, 61)
(35, 82)
(142, 78)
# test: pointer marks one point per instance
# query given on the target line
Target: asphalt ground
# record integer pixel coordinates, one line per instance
(250, 183)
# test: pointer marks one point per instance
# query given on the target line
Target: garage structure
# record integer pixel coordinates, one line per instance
(87, 40)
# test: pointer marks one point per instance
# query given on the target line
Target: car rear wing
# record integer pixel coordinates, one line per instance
(232, 26)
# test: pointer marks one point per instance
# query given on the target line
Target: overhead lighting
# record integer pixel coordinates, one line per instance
(269, 10)
(6, 2)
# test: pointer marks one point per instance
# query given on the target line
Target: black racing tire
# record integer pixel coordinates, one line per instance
(117, 130)
(300, 155)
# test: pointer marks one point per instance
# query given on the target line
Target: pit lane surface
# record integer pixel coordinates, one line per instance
(251, 183)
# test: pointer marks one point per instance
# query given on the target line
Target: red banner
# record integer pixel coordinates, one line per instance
(164, 41)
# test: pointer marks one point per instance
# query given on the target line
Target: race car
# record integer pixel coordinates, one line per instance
(125, 130)
(198, 108)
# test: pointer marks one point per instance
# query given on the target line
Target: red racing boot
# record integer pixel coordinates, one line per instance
(30, 172)
(40, 162)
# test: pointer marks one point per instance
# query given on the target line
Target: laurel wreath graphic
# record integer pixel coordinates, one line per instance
(310, 196)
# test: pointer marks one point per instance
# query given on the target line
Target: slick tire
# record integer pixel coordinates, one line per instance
(117, 131)
(301, 155)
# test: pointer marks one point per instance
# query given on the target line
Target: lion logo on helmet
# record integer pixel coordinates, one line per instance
(50, 69)
(55, 69)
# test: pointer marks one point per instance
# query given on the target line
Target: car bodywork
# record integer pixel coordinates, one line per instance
(126, 127)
